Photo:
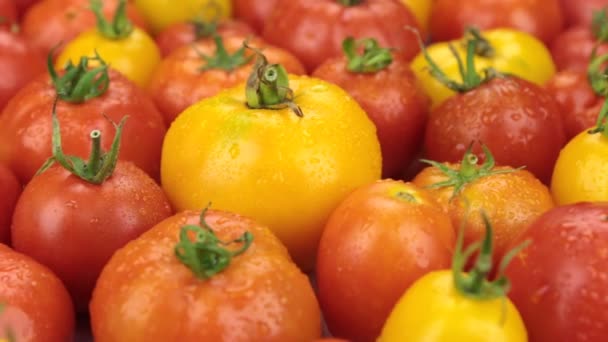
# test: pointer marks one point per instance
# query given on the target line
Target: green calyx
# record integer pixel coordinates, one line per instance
(206, 255)
(350, 2)
(599, 25)
(268, 86)
(471, 79)
(476, 284)
(100, 164)
(120, 27)
(602, 121)
(373, 59)
(222, 59)
(468, 172)
(79, 83)
(204, 29)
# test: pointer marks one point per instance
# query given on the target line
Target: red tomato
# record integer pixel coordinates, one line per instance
(572, 48)
(50, 22)
(519, 122)
(254, 12)
(559, 283)
(541, 18)
(179, 82)
(579, 12)
(11, 189)
(392, 100)
(376, 243)
(579, 103)
(19, 64)
(314, 30)
(180, 34)
(24, 5)
(8, 13)
(37, 307)
(25, 125)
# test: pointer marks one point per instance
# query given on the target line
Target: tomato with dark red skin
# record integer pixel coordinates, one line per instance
(73, 227)
(178, 82)
(19, 64)
(376, 243)
(11, 189)
(579, 12)
(541, 18)
(254, 12)
(393, 101)
(572, 91)
(8, 13)
(26, 130)
(180, 34)
(314, 30)
(24, 5)
(572, 48)
(51, 22)
(36, 305)
(559, 282)
(519, 122)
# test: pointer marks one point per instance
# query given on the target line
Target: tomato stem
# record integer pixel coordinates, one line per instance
(602, 118)
(268, 86)
(469, 171)
(599, 25)
(222, 60)
(206, 255)
(79, 83)
(373, 59)
(350, 2)
(598, 78)
(120, 27)
(100, 165)
(204, 29)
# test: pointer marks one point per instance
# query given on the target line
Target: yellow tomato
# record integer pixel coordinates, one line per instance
(161, 13)
(136, 56)
(421, 9)
(581, 170)
(514, 52)
(433, 310)
(286, 171)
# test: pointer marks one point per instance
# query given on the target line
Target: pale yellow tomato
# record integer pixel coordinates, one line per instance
(161, 13)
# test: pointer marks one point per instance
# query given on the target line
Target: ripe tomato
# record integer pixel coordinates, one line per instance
(19, 64)
(559, 281)
(11, 189)
(254, 12)
(24, 5)
(578, 12)
(36, 305)
(26, 129)
(8, 13)
(572, 49)
(388, 93)
(269, 157)
(180, 34)
(513, 198)
(258, 295)
(161, 14)
(314, 30)
(50, 22)
(376, 243)
(508, 51)
(204, 68)
(453, 306)
(541, 18)
(421, 10)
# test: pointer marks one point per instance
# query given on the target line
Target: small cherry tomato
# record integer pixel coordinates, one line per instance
(11, 189)
(577, 12)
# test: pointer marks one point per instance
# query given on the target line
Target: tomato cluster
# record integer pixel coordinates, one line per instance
(329, 170)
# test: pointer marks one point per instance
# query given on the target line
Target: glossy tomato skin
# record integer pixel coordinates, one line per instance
(74, 227)
(51, 22)
(518, 121)
(559, 282)
(26, 129)
(314, 30)
(579, 104)
(376, 243)
(260, 296)
(8, 11)
(180, 34)
(571, 49)
(254, 12)
(19, 64)
(541, 18)
(393, 101)
(578, 12)
(11, 189)
(178, 83)
(38, 307)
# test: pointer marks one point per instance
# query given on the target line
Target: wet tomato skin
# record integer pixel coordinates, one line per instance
(559, 281)
(74, 227)
(11, 189)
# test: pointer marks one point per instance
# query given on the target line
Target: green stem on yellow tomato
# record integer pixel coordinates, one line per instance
(373, 59)
(120, 27)
(602, 121)
(79, 83)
